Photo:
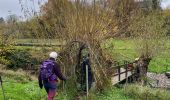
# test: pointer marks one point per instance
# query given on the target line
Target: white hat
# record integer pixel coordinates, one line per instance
(53, 55)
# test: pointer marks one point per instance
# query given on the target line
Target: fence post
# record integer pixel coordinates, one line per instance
(119, 71)
(126, 68)
(2, 88)
(87, 83)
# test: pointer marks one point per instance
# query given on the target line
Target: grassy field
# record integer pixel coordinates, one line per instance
(120, 49)
(20, 86)
(112, 93)
(28, 91)
(31, 91)
(138, 92)
(124, 49)
(17, 87)
(21, 91)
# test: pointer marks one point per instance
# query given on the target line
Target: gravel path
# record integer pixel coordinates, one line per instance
(159, 80)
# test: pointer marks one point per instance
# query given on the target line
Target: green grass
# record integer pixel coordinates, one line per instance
(21, 91)
(30, 91)
(120, 49)
(18, 85)
(146, 93)
(159, 65)
(112, 93)
(15, 90)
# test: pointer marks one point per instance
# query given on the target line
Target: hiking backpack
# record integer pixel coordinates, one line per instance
(46, 69)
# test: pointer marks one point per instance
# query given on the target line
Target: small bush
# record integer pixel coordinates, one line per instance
(15, 58)
(4, 61)
(145, 93)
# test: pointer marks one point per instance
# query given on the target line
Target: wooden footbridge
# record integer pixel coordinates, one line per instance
(123, 72)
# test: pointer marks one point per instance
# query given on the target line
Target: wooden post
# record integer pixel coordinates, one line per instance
(119, 72)
(87, 83)
(2, 88)
(126, 67)
(64, 86)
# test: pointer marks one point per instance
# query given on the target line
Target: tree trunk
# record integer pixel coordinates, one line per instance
(143, 64)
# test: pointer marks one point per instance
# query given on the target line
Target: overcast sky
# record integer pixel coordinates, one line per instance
(8, 7)
(165, 3)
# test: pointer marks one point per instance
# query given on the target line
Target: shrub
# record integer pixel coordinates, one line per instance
(145, 93)
(15, 58)
(4, 61)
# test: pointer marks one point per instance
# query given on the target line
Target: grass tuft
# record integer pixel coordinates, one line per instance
(145, 93)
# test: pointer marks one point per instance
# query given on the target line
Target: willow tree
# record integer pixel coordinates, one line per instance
(124, 9)
(80, 24)
(5, 34)
(149, 33)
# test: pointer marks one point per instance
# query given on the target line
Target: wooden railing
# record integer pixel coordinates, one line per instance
(128, 66)
(37, 44)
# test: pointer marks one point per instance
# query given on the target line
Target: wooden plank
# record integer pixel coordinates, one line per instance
(120, 73)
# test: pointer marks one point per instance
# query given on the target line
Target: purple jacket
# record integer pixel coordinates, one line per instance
(57, 72)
